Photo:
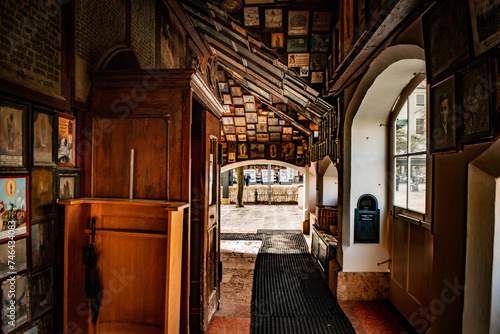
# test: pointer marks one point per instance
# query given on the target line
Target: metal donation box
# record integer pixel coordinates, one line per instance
(367, 220)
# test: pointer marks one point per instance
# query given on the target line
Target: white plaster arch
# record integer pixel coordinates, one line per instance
(366, 148)
(262, 162)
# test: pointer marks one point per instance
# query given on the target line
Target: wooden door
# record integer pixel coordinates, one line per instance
(205, 229)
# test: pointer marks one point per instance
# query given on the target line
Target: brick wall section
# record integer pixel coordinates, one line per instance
(30, 44)
(100, 24)
(142, 30)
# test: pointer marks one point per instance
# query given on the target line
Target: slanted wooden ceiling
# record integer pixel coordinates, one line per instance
(254, 67)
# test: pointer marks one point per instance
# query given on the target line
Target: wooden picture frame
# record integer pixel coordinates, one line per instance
(249, 107)
(42, 298)
(288, 152)
(235, 91)
(443, 136)
(485, 22)
(273, 150)
(317, 77)
(241, 130)
(223, 87)
(281, 122)
(262, 119)
(274, 128)
(298, 59)
(228, 129)
(42, 243)
(277, 40)
(298, 23)
(251, 16)
(262, 137)
(238, 100)
(14, 202)
(239, 111)
(251, 117)
(226, 99)
(320, 42)
(297, 44)
(13, 138)
(227, 121)
(446, 45)
(66, 147)
(68, 184)
(275, 136)
(249, 98)
(20, 260)
(321, 21)
(242, 152)
(272, 121)
(43, 192)
(287, 130)
(231, 157)
(250, 126)
(260, 127)
(44, 137)
(22, 302)
(318, 61)
(273, 18)
(231, 137)
(475, 115)
(240, 121)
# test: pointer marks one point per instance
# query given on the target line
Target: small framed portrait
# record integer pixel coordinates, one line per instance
(277, 40)
(42, 298)
(228, 129)
(476, 102)
(21, 257)
(250, 126)
(239, 121)
(231, 156)
(251, 16)
(317, 77)
(251, 117)
(44, 138)
(241, 130)
(223, 87)
(242, 137)
(242, 151)
(235, 91)
(257, 150)
(14, 205)
(445, 48)
(287, 130)
(274, 128)
(226, 98)
(321, 21)
(288, 152)
(297, 45)
(275, 136)
(272, 121)
(21, 296)
(238, 100)
(304, 71)
(250, 107)
(13, 138)
(273, 151)
(239, 111)
(251, 133)
(248, 98)
(231, 146)
(42, 192)
(66, 141)
(67, 184)
(320, 42)
(298, 23)
(262, 137)
(282, 122)
(230, 138)
(318, 61)
(227, 121)
(42, 243)
(274, 18)
(443, 136)
(260, 127)
(262, 119)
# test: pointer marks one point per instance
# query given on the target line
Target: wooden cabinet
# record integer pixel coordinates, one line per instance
(139, 248)
(205, 226)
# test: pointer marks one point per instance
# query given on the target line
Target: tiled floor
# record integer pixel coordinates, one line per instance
(238, 258)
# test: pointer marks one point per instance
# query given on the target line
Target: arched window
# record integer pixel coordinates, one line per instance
(410, 155)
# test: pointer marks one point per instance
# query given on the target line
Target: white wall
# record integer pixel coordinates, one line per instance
(331, 186)
(368, 151)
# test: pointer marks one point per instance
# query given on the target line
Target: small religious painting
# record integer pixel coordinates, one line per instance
(261, 127)
(251, 117)
(231, 156)
(42, 244)
(476, 103)
(298, 59)
(262, 137)
(250, 106)
(272, 121)
(275, 136)
(226, 98)
(42, 298)
(20, 298)
(318, 61)
(14, 205)
(249, 98)
(242, 151)
(231, 138)
(241, 130)
(21, 258)
(277, 40)
(67, 186)
(274, 128)
(43, 135)
(227, 121)
(238, 100)
(317, 77)
(239, 121)
(273, 150)
(298, 22)
(42, 192)
(228, 129)
(239, 111)
(304, 71)
(67, 140)
(257, 150)
(223, 87)
(236, 91)
(274, 18)
(297, 45)
(242, 137)
(251, 15)
(320, 42)
(321, 21)
(262, 119)
(288, 152)
(11, 135)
